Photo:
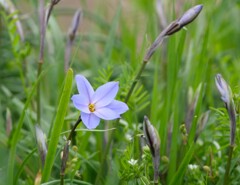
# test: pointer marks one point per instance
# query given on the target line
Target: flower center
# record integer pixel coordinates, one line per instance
(91, 107)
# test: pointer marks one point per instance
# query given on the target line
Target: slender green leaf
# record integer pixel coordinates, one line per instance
(57, 126)
(182, 168)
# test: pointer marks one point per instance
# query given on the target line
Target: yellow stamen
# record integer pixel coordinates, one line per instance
(91, 107)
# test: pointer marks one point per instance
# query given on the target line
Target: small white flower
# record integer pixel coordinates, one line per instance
(193, 166)
(132, 162)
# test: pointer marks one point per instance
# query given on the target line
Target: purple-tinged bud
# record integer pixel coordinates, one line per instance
(223, 88)
(202, 121)
(71, 36)
(42, 146)
(172, 28)
(187, 18)
(192, 104)
(153, 141)
(226, 96)
(189, 15)
(75, 24)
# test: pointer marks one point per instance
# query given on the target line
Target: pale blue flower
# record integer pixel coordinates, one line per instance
(99, 104)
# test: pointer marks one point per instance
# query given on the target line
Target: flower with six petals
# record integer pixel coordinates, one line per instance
(99, 104)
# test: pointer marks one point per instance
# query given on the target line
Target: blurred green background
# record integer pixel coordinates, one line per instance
(176, 87)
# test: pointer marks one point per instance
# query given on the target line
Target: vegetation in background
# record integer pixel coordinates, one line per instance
(178, 130)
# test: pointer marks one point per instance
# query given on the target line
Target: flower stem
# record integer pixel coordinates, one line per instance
(226, 176)
(136, 79)
(66, 151)
(41, 55)
(74, 127)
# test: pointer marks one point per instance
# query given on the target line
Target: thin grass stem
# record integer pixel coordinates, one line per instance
(41, 55)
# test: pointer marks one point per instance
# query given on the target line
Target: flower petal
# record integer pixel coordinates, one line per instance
(90, 120)
(81, 103)
(106, 113)
(118, 106)
(84, 87)
(105, 94)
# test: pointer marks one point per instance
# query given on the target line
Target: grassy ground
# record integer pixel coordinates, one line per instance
(176, 91)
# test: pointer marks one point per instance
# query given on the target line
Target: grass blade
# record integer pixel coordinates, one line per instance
(182, 168)
(57, 126)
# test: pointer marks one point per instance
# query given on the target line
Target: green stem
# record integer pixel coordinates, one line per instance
(103, 160)
(226, 176)
(38, 94)
(41, 55)
(74, 128)
(136, 79)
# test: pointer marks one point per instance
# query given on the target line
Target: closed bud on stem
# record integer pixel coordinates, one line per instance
(71, 36)
(184, 132)
(42, 146)
(153, 141)
(223, 88)
(165, 159)
(226, 96)
(75, 24)
(187, 18)
(189, 15)
(183, 129)
(172, 28)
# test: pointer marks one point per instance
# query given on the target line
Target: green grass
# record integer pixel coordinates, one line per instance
(176, 85)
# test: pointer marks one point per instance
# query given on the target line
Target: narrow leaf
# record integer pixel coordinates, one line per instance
(182, 168)
(57, 126)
